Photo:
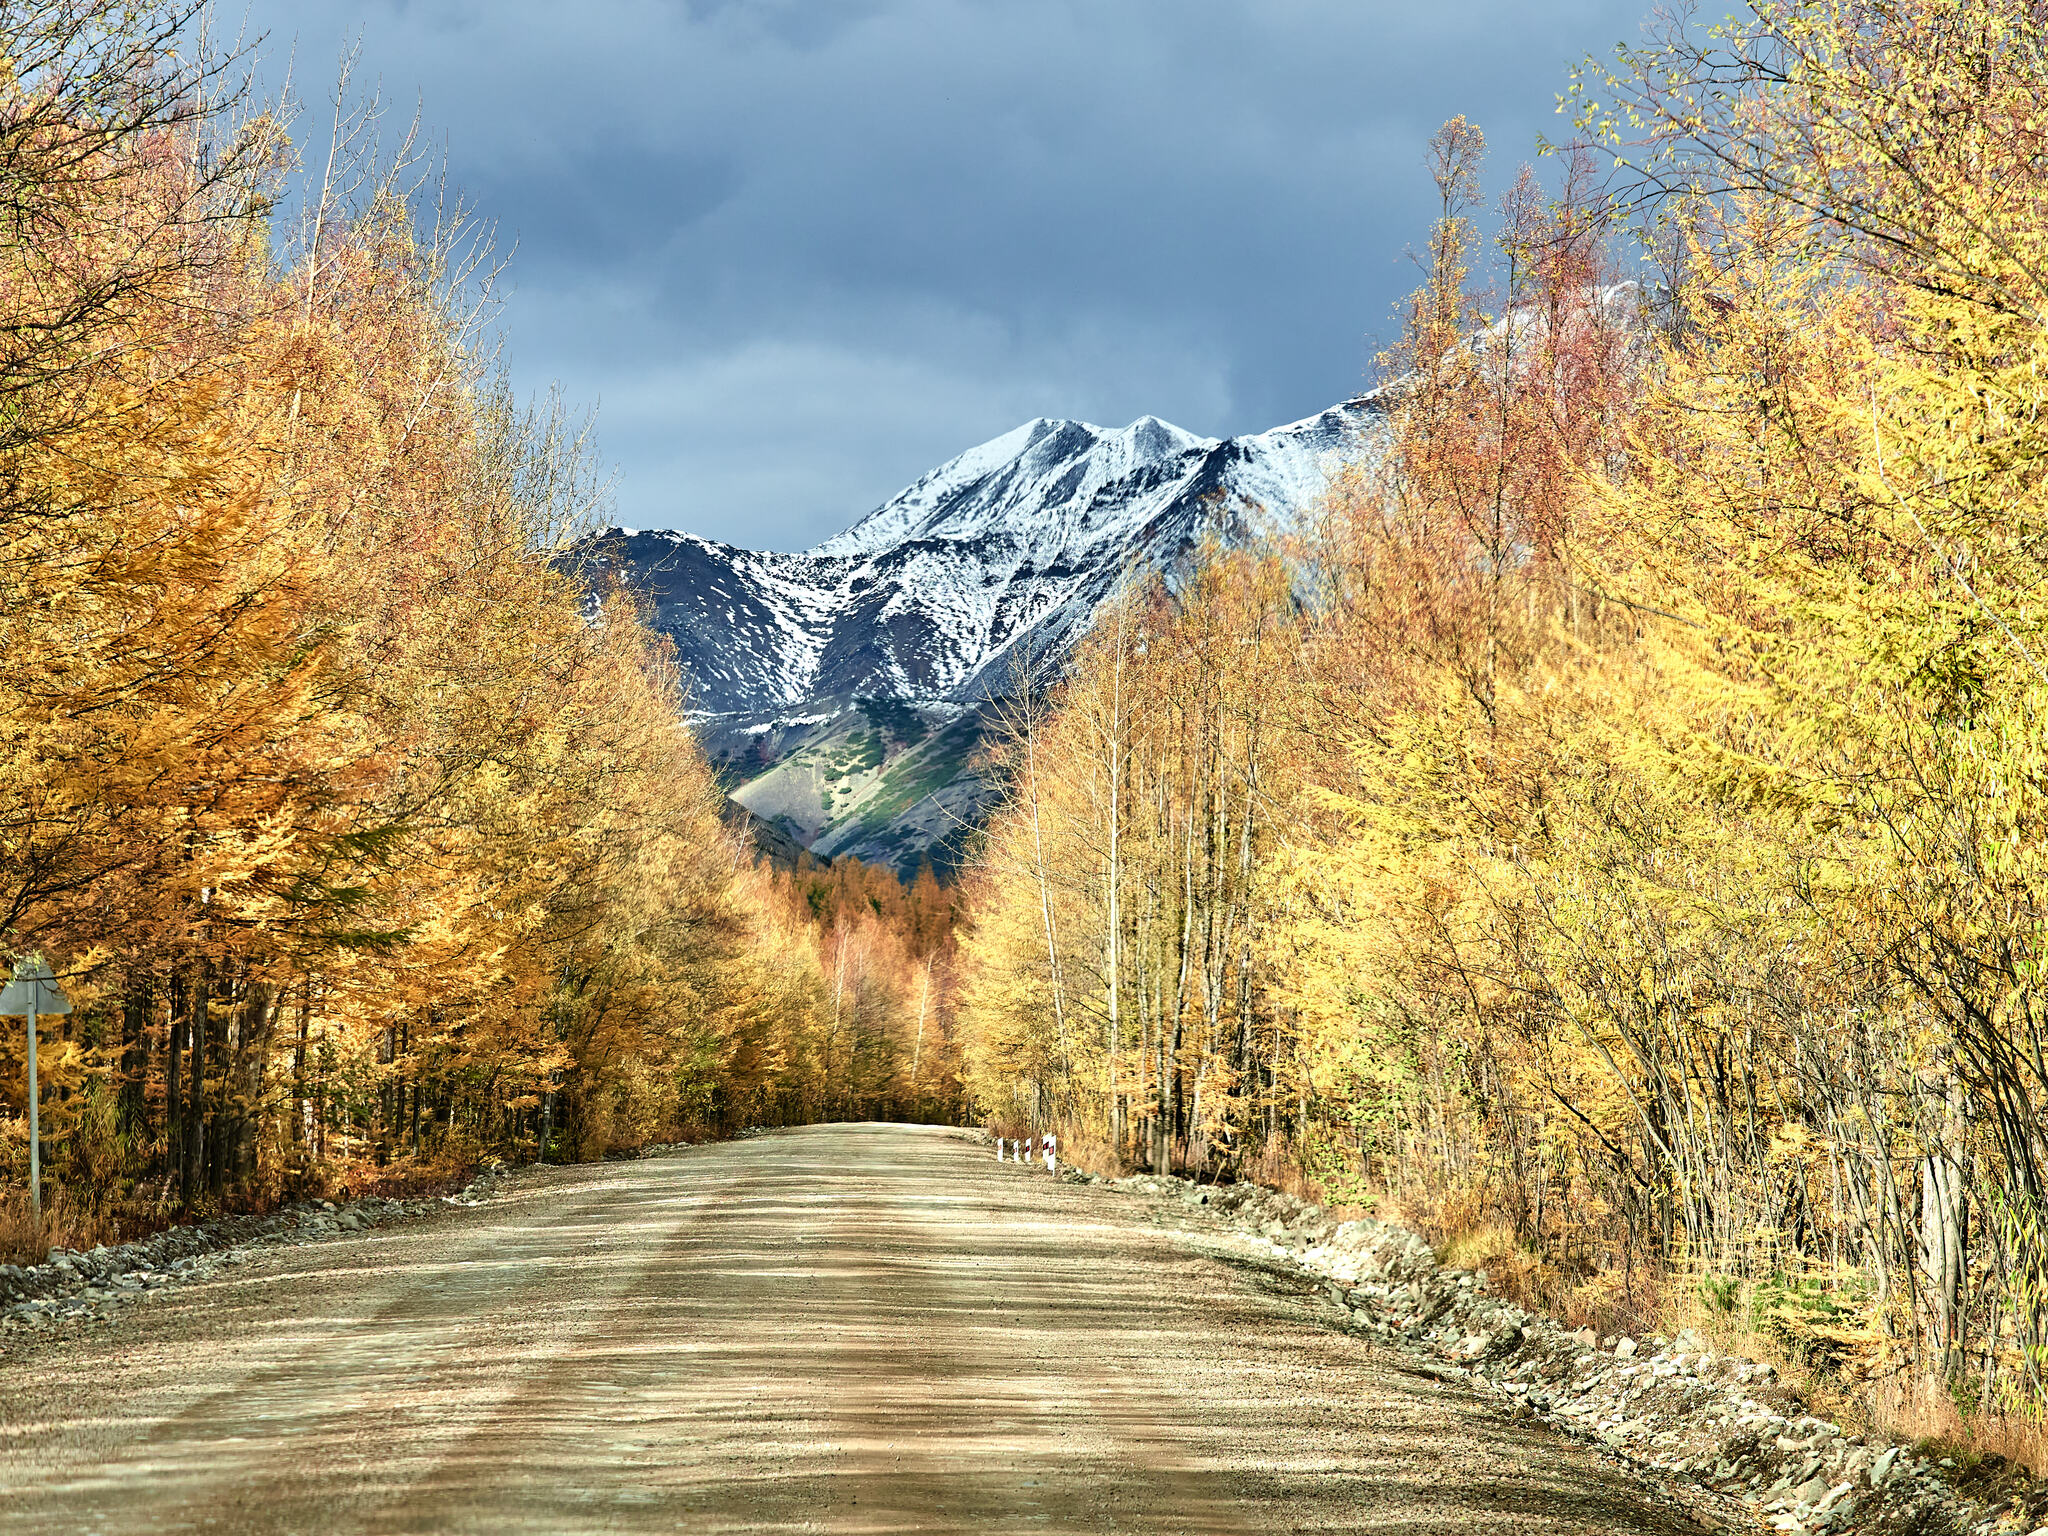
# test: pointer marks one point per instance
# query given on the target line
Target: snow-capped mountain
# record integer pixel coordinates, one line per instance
(908, 622)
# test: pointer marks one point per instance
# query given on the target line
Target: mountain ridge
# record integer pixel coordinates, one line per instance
(828, 682)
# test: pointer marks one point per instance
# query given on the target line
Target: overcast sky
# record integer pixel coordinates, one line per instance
(798, 252)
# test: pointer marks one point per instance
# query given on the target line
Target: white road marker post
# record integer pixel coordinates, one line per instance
(1052, 1154)
(33, 991)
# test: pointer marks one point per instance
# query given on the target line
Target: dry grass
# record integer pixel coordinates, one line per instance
(1610, 1302)
(21, 1238)
(69, 1222)
(1090, 1150)
(403, 1178)
(66, 1223)
(1275, 1166)
(1463, 1226)
(1313, 1191)
(1916, 1410)
(1903, 1408)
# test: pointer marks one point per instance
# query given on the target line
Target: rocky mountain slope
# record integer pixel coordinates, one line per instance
(844, 689)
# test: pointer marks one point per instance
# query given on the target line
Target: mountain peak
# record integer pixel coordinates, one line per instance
(917, 610)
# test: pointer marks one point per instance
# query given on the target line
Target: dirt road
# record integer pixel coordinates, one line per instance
(847, 1328)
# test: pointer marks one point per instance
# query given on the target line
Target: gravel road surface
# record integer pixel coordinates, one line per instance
(856, 1328)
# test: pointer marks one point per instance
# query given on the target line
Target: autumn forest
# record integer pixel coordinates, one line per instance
(1611, 837)
(361, 826)
(1610, 833)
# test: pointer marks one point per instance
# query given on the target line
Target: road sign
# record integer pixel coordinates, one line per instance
(33, 991)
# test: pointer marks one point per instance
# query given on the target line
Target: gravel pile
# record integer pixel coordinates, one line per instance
(72, 1290)
(1671, 1407)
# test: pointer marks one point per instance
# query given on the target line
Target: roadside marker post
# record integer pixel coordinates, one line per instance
(33, 991)
(1030, 1149)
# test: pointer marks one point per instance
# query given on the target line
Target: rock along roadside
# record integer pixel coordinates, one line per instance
(1673, 1409)
(75, 1289)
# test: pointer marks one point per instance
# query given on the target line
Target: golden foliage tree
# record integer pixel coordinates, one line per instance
(1650, 863)
(361, 821)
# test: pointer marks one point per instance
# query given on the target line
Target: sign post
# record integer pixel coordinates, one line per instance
(33, 991)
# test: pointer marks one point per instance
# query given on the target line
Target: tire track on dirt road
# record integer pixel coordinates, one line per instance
(290, 1398)
(843, 1328)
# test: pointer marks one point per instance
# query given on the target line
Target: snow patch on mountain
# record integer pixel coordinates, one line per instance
(1010, 548)
(926, 597)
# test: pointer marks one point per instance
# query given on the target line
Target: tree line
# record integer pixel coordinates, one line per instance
(1616, 821)
(357, 817)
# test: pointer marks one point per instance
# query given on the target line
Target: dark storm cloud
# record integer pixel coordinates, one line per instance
(804, 251)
